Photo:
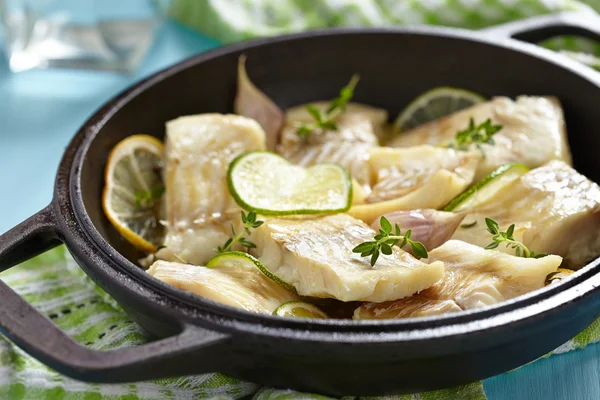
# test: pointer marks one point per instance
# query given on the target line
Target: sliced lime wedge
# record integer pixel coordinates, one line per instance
(433, 104)
(237, 258)
(270, 185)
(487, 188)
(299, 309)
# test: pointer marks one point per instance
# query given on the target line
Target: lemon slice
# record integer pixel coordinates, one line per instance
(270, 185)
(299, 309)
(237, 258)
(133, 190)
(434, 104)
(487, 188)
(561, 273)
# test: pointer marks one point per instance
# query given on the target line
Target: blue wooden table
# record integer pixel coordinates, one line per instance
(41, 110)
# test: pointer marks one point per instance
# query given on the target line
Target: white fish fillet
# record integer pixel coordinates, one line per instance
(555, 208)
(358, 123)
(315, 255)
(353, 156)
(358, 129)
(199, 149)
(237, 286)
(533, 132)
(474, 278)
(417, 177)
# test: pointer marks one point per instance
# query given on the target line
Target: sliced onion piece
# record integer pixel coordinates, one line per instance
(251, 102)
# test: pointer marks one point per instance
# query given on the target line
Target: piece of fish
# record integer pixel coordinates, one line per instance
(244, 287)
(315, 256)
(533, 132)
(555, 209)
(430, 227)
(251, 102)
(358, 123)
(417, 177)
(474, 278)
(199, 206)
(358, 129)
(353, 156)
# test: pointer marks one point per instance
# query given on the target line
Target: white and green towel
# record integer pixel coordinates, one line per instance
(56, 286)
(59, 289)
(235, 20)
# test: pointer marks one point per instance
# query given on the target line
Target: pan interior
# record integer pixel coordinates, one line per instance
(394, 68)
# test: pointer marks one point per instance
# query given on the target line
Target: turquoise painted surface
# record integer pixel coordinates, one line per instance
(41, 110)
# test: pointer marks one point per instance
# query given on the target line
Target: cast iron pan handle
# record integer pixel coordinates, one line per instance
(536, 29)
(193, 350)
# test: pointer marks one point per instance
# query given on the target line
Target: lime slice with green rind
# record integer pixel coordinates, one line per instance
(268, 184)
(434, 104)
(299, 309)
(238, 258)
(487, 188)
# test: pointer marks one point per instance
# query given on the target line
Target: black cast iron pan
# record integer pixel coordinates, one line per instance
(336, 357)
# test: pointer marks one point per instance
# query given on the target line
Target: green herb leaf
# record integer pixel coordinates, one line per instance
(324, 121)
(250, 222)
(148, 198)
(492, 226)
(419, 249)
(386, 226)
(475, 134)
(384, 241)
(507, 237)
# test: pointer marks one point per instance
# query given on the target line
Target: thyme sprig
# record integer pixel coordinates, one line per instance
(324, 120)
(388, 237)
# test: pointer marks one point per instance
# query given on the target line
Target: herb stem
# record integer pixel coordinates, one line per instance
(324, 120)
(249, 222)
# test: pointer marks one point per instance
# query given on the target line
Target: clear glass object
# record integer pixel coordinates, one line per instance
(93, 34)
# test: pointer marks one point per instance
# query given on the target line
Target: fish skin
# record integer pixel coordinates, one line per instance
(315, 256)
(474, 278)
(533, 133)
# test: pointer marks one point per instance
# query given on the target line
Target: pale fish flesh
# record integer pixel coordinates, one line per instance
(315, 256)
(533, 132)
(474, 278)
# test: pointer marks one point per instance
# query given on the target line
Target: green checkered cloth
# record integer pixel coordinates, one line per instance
(235, 20)
(56, 286)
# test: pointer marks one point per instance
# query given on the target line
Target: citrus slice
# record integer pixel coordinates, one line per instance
(487, 188)
(561, 273)
(299, 309)
(238, 258)
(133, 191)
(270, 185)
(434, 104)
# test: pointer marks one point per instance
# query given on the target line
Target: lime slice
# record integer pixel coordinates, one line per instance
(238, 258)
(487, 188)
(132, 197)
(270, 185)
(299, 309)
(434, 104)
